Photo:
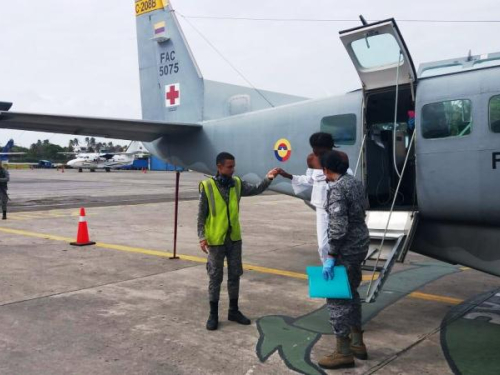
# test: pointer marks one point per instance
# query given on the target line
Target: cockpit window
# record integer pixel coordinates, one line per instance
(452, 118)
(376, 51)
(495, 114)
(341, 127)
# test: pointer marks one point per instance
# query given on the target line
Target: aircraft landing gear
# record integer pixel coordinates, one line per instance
(80, 170)
(92, 170)
(107, 169)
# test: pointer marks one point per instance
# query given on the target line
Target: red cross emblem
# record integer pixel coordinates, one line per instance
(172, 95)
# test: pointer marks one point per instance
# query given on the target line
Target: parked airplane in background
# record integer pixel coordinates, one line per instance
(426, 145)
(105, 160)
(4, 155)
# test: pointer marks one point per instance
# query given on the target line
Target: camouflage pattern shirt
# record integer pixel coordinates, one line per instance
(4, 178)
(347, 230)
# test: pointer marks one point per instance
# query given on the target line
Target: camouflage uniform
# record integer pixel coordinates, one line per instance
(4, 179)
(349, 239)
(230, 250)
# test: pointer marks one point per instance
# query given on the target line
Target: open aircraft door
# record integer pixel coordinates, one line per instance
(379, 55)
(388, 76)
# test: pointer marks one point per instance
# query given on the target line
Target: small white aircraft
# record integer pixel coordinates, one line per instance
(106, 160)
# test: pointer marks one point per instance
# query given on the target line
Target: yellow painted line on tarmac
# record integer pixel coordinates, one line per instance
(36, 235)
(157, 253)
(192, 258)
(164, 254)
(436, 298)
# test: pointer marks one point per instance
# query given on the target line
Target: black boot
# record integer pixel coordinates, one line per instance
(213, 319)
(235, 314)
(4, 217)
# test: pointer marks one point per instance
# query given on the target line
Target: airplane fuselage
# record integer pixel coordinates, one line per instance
(96, 161)
(454, 180)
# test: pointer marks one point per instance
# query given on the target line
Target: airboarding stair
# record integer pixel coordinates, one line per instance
(391, 234)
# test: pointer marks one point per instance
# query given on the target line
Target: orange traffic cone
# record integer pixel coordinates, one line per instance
(82, 237)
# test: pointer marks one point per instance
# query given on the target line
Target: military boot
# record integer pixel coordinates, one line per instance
(341, 358)
(213, 318)
(235, 314)
(357, 345)
(4, 216)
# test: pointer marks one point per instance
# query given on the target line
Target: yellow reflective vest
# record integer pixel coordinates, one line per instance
(220, 215)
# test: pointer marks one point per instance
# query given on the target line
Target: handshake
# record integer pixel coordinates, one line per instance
(278, 171)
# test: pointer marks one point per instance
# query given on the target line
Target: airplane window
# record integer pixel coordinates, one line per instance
(377, 51)
(495, 114)
(452, 118)
(342, 127)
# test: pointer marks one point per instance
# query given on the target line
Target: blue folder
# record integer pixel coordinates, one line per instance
(320, 288)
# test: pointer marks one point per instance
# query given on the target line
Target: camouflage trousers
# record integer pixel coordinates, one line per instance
(215, 269)
(346, 313)
(3, 199)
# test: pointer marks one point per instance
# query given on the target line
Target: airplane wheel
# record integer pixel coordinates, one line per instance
(92, 170)
(80, 170)
(108, 169)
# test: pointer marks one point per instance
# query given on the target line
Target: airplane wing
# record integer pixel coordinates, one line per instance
(12, 153)
(137, 130)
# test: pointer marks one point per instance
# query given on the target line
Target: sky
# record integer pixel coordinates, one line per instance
(80, 57)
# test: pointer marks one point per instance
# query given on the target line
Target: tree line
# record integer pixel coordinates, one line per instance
(44, 150)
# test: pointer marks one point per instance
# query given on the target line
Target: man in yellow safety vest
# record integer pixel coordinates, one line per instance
(219, 233)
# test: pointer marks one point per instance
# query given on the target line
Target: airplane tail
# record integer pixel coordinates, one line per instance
(136, 148)
(4, 154)
(172, 86)
(171, 82)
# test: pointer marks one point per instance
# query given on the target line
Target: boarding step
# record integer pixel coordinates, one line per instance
(390, 238)
(401, 224)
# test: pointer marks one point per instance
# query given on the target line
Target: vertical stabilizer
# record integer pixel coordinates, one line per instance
(6, 150)
(171, 82)
(136, 147)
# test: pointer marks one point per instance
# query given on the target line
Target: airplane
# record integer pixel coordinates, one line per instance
(105, 160)
(425, 143)
(5, 153)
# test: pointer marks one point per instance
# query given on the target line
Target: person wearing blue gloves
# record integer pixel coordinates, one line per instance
(348, 238)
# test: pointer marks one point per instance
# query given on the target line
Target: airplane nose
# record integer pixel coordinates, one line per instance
(71, 163)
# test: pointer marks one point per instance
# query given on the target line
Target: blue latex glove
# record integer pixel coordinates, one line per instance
(328, 268)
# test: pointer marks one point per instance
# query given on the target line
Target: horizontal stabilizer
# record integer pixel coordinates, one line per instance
(137, 130)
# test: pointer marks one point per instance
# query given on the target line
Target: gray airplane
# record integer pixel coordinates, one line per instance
(426, 144)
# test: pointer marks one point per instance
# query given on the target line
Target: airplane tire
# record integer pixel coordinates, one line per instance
(80, 170)
(92, 170)
(108, 169)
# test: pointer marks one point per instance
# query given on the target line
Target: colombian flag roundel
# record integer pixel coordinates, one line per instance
(283, 150)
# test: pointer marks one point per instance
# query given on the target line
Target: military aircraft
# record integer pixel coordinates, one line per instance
(105, 160)
(426, 144)
(5, 153)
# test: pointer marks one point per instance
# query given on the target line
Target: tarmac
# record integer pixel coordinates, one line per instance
(123, 306)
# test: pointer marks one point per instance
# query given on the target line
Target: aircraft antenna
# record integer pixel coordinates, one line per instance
(227, 61)
(363, 21)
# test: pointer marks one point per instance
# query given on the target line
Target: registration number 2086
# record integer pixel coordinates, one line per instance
(146, 6)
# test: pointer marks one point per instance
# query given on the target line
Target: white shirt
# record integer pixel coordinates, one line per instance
(314, 181)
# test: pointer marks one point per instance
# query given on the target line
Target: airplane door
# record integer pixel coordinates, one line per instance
(379, 54)
(385, 68)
